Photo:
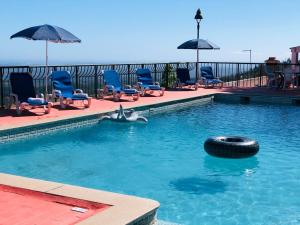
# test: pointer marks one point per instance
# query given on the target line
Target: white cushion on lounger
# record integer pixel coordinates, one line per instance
(36, 101)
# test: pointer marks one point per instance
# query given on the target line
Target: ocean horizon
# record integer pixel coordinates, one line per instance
(76, 62)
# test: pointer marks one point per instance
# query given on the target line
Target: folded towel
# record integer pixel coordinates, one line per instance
(36, 101)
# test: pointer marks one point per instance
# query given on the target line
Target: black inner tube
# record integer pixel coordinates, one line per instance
(235, 139)
(231, 147)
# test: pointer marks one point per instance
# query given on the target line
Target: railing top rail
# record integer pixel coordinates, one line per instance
(66, 65)
(145, 64)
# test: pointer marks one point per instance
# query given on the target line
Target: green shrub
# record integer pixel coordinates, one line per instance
(169, 76)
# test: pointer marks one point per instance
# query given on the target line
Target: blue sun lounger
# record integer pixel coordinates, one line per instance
(23, 93)
(146, 85)
(208, 78)
(184, 79)
(64, 91)
(113, 87)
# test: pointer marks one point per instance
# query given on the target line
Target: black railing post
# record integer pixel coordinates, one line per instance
(155, 72)
(167, 70)
(76, 77)
(96, 81)
(260, 74)
(1, 87)
(217, 70)
(238, 75)
(128, 74)
(249, 74)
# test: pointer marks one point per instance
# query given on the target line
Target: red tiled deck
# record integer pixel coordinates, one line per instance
(9, 119)
(27, 201)
(26, 207)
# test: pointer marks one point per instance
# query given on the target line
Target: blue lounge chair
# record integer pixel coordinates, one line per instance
(113, 87)
(23, 93)
(208, 78)
(146, 85)
(184, 79)
(64, 91)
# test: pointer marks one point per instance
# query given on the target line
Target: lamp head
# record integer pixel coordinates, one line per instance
(198, 16)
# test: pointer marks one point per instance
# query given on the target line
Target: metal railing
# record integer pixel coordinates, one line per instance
(89, 77)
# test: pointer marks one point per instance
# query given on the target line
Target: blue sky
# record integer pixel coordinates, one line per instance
(118, 31)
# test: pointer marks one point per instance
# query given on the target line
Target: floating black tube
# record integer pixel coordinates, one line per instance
(231, 147)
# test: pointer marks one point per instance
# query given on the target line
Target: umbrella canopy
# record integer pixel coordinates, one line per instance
(47, 33)
(198, 44)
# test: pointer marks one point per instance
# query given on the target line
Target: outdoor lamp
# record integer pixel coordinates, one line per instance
(198, 16)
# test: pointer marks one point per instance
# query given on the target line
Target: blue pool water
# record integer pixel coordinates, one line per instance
(165, 160)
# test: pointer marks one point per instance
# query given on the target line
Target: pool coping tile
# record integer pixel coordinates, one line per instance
(125, 209)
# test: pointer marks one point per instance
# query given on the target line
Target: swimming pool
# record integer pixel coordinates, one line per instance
(164, 160)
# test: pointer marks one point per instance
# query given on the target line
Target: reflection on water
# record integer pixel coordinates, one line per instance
(232, 167)
(198, 186)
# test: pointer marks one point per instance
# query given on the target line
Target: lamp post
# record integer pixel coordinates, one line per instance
(250, 54)
(198, 17)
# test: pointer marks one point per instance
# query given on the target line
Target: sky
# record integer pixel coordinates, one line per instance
(129, 31)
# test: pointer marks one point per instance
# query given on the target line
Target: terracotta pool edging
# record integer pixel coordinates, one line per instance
(124, 209)
(45, 127)
(98, 114)
(11, 133)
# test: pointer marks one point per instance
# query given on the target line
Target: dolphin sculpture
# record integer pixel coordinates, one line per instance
(122, 115)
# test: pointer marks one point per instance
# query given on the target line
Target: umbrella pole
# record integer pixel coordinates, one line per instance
(197, 68)
(46, 72)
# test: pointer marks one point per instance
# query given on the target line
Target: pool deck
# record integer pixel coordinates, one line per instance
(55, 210)
(113, 208)
(9, 119)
